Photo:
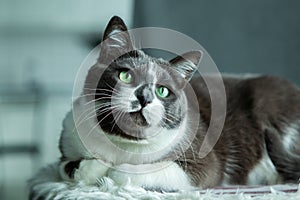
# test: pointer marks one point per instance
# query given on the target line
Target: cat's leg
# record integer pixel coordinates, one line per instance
(68, 168)
(291, 138)
(88, 171)
(163, 176)
(286, 162)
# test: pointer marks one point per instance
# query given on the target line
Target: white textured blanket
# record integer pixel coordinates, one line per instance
(47, 185)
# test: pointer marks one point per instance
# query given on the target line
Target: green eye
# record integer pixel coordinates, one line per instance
(125, 76)
(162, 92)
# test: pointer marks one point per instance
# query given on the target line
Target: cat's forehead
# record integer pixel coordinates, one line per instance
(147, 67)
(141, 63)
(141, 57)
(137, 59)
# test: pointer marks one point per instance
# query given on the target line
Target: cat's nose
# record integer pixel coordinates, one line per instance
(144, 95)
(143, 101)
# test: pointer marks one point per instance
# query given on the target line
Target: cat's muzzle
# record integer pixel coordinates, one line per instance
(139, 118)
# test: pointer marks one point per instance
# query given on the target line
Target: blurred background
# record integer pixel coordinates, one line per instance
(42, 44)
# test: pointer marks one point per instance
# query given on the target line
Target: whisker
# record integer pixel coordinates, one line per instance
(103, 108)
(119, 114)
(95, 94)
(90, 109)
(88, 134)
(107, 90)
(87, 117)
(169, 115)
(98, 123)
(192, 149)
(168, 119)
(113, 90)
(109, 86)
(184, 156)
(94, 100)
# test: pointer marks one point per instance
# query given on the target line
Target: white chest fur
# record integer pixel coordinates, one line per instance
(166, 176)
(162, 175)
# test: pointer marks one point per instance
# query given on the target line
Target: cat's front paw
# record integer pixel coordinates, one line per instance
(90, 171)
(165, 177)
(87, 171)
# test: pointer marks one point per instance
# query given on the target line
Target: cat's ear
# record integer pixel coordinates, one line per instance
(186, 64)
(116, 25)
(116, 39)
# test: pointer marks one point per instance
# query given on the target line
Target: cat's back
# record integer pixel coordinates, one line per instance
(265, 100)
(269, 93)
(265, 97)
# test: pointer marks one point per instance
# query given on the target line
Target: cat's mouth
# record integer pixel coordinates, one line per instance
(139, 118)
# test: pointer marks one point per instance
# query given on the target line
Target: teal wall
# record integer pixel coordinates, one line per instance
(241, 36)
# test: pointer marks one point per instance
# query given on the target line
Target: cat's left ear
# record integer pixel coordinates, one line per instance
(186, 64)
(112, 31)
(116, 39)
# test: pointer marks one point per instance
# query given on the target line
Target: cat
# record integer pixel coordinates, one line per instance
(138, 95)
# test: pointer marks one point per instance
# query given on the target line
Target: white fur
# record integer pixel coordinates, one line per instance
(113, 32)
(153, 112)
(291, 136)
(72, 145)
(119, 39)
(149, 150)
(169, 175)
(264, 172)
(90, 171)
(163, 175)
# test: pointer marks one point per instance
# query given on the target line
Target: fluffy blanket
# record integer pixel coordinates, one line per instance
(47, 185)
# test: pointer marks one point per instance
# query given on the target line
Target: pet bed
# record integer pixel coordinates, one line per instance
(47, 185)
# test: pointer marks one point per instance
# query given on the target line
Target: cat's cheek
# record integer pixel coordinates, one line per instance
(90, 171)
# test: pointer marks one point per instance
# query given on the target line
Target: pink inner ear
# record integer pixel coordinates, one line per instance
(193, 56)
(115, 31)
(117, 39)
(115, 23)
(186, 64)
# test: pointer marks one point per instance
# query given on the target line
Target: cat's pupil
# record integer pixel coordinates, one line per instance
(162, 92)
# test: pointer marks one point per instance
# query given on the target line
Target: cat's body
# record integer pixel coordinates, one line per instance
(260, 109)
(262, 125)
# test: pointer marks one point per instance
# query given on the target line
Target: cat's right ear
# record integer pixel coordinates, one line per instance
(116, 41)
(186, 64)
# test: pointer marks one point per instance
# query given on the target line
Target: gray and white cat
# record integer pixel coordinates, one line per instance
(142, 103)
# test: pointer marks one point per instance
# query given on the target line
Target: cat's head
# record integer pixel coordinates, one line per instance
(138, 97)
